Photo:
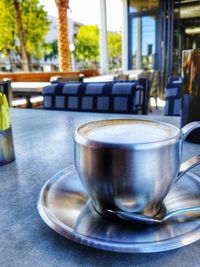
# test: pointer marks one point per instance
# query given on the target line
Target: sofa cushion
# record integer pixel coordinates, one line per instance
(110, 97)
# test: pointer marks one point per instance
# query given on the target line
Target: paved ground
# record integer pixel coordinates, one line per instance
(160, 109)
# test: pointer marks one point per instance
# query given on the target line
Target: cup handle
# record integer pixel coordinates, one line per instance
(189, 128)
(194, 161)
(187, 165)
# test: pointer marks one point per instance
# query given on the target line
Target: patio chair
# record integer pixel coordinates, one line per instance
(173, 97)
(174, 79)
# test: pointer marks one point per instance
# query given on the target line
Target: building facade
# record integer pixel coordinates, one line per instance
(158, 32)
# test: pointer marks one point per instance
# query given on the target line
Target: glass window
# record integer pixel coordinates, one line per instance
(142, 5)
(143, 42)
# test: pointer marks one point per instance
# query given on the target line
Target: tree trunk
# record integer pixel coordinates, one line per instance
(24, 53)
(10, 60)
(63, 40)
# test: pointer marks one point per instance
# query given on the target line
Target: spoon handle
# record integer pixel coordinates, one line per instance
(134, 217)
(180, 211)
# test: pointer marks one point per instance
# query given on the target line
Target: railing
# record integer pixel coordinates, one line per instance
(18, 67)
(44, 76)
(43, 67)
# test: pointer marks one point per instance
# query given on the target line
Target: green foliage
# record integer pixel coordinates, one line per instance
(87, 46)
(114, 49)
(8, 27)
(52, 52)
(35, 25)
(87, 43)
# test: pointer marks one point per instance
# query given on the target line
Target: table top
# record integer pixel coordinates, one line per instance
(43, 146)
(26, 87)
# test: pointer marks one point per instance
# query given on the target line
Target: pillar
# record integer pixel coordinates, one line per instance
(103, 39)
(125, 36)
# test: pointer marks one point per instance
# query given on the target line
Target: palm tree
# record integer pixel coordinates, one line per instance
(63, 41)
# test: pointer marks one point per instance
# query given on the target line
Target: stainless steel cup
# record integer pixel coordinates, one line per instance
(131, 177)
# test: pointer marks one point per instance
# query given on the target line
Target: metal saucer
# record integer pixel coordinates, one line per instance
(65, 207)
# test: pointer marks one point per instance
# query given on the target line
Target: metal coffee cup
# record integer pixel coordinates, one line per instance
(133, 177)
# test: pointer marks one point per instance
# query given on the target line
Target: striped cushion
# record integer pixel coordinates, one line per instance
(110, 97)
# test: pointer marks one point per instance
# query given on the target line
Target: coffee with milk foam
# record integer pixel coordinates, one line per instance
(128, 131)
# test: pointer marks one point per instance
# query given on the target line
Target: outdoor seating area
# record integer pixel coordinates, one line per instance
(136, 94)
(23, 86)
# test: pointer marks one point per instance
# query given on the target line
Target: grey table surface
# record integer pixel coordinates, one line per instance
(43, 146)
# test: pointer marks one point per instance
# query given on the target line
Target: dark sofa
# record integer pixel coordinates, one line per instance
(130, 97)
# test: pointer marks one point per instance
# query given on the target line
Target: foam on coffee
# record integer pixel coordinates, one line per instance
(128, 131)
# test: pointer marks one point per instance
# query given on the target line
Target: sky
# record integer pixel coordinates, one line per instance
(87, 12)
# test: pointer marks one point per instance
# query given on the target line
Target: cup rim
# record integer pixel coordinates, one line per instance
(81, 139)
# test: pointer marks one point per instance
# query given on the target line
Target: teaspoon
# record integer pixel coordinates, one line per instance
(133, 217)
